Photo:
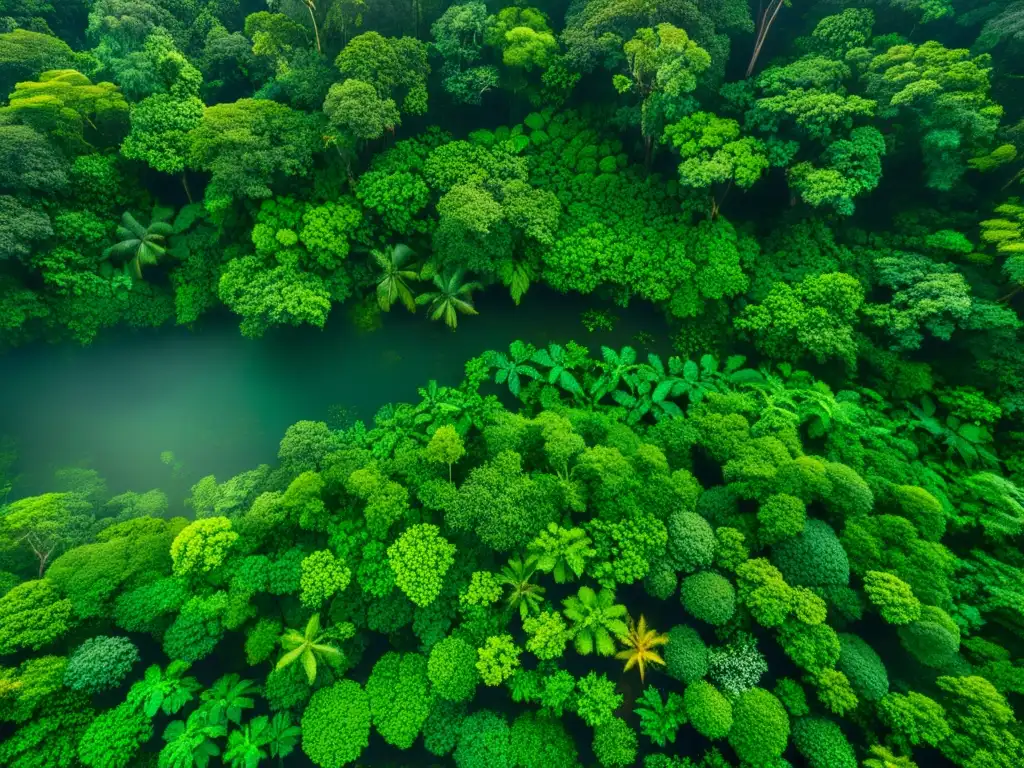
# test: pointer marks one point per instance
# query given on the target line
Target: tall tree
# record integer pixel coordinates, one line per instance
(247, 144)
(663, 65)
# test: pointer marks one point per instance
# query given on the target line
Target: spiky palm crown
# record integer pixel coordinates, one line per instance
(142, 244)
(640, 641)
(307, 647)
(525, 595)
(451, 297)
(392, 285)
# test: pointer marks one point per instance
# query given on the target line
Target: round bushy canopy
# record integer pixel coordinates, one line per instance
(100, 663)
(420, 557)
(452, 669)
(661, 579)
(848, 495)
(760, 727)
(113, 739)
(202, 546)
(442, 727)
(685, 654)
(862, 667)
(718, 504)
(708, 710)
(336, 725)
(738, 666)
(540, 742)
(708, 596)
(691, 541)
(934, 639)
(814, 558)
(922, 509)
(781, 516)
(397, 689)
(287, 688)
(823, 743)
(615, 744)
(792, 696)
(484, 741)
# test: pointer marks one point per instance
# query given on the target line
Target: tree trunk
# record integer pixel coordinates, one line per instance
(716, 204)
(316, 29)
(1011, 294)
(184, 183)
(1018, 175)
(764, 24)
(44, 558)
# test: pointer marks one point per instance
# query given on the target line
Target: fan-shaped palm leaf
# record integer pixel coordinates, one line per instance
(597, 620)
(142, 245)
(451, 297)
(562, 552)
(511, 367)
(640, 641)
(556, 359)
(168, 691)
(525, 595)
(616, 368)
(193, 743)
(229, 697)
(517, 276)
(393, 283)
(308, 647)
(245, 745)
(282, 736)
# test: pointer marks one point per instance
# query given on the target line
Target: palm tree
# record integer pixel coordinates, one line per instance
(562, 552)
(228, 697)
(392, 285)
(191, 744)
(616, 367)
(640, 642)
(557, 360)
(310, 647)
(512, 367)
(451, 297)
(597, 620)
(168, 690)
(282, 736)
(525, 595)
(245, 745)
(142, 245)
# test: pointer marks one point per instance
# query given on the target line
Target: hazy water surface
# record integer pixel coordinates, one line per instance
(221, 402)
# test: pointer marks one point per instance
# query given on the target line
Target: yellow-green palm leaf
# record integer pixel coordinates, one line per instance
(309, 647)
(640, 641)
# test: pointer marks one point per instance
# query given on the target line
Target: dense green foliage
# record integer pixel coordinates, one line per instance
(801, 525)
(361, 551)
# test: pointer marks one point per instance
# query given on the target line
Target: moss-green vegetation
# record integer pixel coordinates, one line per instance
(823, 470)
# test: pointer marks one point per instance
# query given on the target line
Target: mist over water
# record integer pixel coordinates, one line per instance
(221, 402)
